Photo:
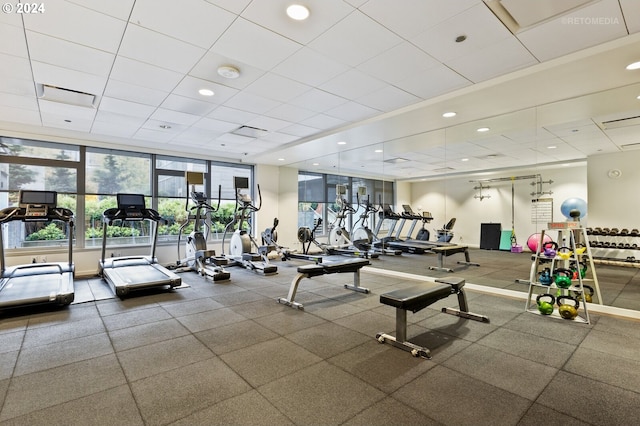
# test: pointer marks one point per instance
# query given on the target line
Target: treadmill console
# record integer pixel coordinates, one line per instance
(131, 206)
(37, 204)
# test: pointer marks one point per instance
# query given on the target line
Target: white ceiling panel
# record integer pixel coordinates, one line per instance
(108, 129)
(254, 45)
(631, 10)
(318, 100)
(190, 86)
(299, 130)
(153, 136)
(158, 49)
(272, 15)
(268, 123)
(235, 6)
(120, 9)
(20, 102)
(58, 122)
(128, 108)
(68, 79)
(21, 116)
(252, 103)
(61, 53)
(398, 63)
(207, 69)
(411, 17)
(145, 75)
(388, 98)
(15, 67)
(353, 84)
(215, 126)
(345, 45)
(291, 113)
(278, 138)
(193, 21)
(12, 40)
(491, 61)
(433, 82)
(77, 24)
(232, 115)
(117, 119)
(66, 112)
(187, 105)
(322, 121)
(168, 116)
(477, 23)
(131, 92)
(274, 86)
(310, 67)
(588, 26)
(352, 111)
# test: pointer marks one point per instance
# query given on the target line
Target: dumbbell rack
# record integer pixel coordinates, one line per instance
(566, 230)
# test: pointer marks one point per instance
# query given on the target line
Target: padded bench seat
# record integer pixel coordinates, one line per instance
(325, 268)
(445, 251)
(417, 298)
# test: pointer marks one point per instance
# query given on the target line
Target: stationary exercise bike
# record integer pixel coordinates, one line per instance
(198, 257)
(241, 241)
(270, 238)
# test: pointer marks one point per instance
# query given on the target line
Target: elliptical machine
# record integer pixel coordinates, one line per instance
(198, 257)
(241, 241)
(363, 237)
(338, 234)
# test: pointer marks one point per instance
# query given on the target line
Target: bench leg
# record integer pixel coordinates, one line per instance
(289, 301)
(356, 284)
(463, 310)
(440, 266)
(400, 340)
(467, 259)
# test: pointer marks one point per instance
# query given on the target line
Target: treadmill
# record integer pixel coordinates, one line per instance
(393, 242)
(408, 213)
(129, 273)
(37, 283)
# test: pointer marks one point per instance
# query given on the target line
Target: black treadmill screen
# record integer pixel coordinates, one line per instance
(241, 182)
(130, 201)
(38, 197)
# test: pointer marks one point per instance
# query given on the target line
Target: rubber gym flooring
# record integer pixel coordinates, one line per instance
(227, 353)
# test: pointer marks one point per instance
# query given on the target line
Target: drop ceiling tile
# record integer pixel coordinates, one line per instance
(387, 99)
(254, 45)
(207, 69)
(58, 122)
(14, 19)
(398, 63)
(323, 121)
(22, 116)
(174, 117)
(268, 123)
(187, 105)
(122, 131)
(132, 109)
(235, 6)
(353, 84)
(65, 54)
(310, 67)
(68, 79)
(153, 136)
(272, 15)
(196, 135)
(193, 21)
(299, 130)
(131, 92)
(274, 86)
(347, 46)
(318, 100)
(252, 103)
(478, 23)
(14, 66)
(232, 115)
(69, 112)
(213, 125)
(189, 87)
(145, 75)
(158, 49)
(12, 40)
(433, 82)
(291, 113)
(116, 119)
(412, 17)
(17, 87)
(77, 24)
(500, 58)
(631, 10)
(18, 101)
(278, 138)
(120, 9)
(352, 111)
(577, 30)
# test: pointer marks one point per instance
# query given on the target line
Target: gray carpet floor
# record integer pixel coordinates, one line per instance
(227, 353)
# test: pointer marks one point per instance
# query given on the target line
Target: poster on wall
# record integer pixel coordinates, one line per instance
(541, 210)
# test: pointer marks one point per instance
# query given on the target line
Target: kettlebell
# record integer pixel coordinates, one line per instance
(545, 277)
(550, 248)
(562, 277)
(544, 306)
(580, 248)
(580, 267)
(568, 311)
(564, 253)
(588, 293)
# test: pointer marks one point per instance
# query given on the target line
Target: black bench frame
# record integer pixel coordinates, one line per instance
(418, 298)
(310, 271)
(445, 251)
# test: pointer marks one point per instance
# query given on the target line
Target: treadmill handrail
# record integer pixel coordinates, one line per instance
(35, 265)
(113, 214)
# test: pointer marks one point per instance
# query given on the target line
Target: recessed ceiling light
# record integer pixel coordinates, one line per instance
(342, 143)
(165, 126)
(638, 97)
(298, 12)
(449, 114)
(227, 71)
(551, 147)
(634, 66)
(280, 159)
(205, 92)
(464, 159)
(315, 164)
(483, 129)
(378, 150)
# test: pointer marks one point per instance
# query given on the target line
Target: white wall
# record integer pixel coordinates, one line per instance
(454, 197)
(614, 202)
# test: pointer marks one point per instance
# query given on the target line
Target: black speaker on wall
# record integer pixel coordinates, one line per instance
(490, 236)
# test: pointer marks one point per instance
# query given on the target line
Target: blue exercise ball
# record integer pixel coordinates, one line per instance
(573, 204)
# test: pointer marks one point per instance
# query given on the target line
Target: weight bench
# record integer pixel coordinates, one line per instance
(417, 298)
(310, 271)
(446, 251)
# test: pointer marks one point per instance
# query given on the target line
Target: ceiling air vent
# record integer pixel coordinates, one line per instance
(65, 96)
(520, 14)
(396, 160)
(630, 146)
(250, 132)
(443, 169)
(621, 122)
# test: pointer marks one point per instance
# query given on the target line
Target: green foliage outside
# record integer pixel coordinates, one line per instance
(50, 232)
